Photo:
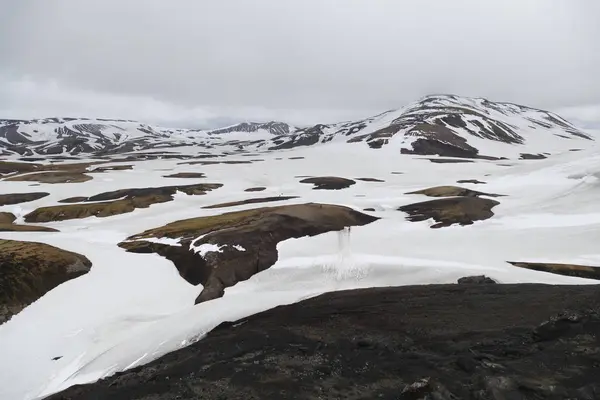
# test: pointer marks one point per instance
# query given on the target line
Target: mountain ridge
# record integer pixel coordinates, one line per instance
(444, 125)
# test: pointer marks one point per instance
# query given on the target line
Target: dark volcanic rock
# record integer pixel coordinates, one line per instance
(439, 140)
(476, 280)
(369, 179)
(474, 181)
(448, 161)
(329, 182)
(527, 156)
(186, 175)
(116, 202)
(579, 271)
(247, 241)
(255, 189)
(28, 270)
(437, 342)
(16, 198)
(452, 210)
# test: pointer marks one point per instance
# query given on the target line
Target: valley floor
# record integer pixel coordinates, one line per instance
(131, 309)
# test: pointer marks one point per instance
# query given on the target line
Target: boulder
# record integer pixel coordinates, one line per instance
(476, 280)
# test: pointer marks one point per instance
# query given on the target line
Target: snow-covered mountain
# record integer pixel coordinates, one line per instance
(111, 264)
(445, 125)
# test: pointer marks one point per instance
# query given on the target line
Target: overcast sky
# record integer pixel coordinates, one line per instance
(195, 63)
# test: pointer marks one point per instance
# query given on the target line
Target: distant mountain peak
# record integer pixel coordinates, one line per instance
(436, 124)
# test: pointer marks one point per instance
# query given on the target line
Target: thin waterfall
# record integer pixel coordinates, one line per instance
(345, 266)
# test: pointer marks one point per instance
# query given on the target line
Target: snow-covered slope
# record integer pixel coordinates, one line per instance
(132, 308)
(438, 124)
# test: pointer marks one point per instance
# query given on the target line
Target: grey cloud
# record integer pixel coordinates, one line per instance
(301, 59)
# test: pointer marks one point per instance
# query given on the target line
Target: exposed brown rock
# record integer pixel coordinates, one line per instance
(16, 198)
(7, 218)
(28, 270)
(251, 201)
(369, 209)
(474, 181)
(369, 179)
(116, 202)
(451, 191)
(329, 182)
(25, 228)
(452, 210)
(255, 189)
(52, 177)
(257, 231)
(7, 225)
(580, 271)
(186, 175)
(11, 167)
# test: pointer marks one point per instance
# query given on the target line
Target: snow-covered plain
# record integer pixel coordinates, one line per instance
(133, 308)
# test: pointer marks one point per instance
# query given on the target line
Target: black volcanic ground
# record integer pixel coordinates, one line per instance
(442, 342)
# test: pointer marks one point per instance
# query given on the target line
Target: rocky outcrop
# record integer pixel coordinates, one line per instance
(580, 271)
(17, 198)
(53, 177)
(329, 182)
(449, 160)
(55, 173)
(527, 156)
(451, 210)
(369, 179)
(476, 280)
(186, 175)
(251, 201)
(451, 191)
(7, 225)
(116, 202)
(28, 270)
(219, 251)
(438, 342)
(112, 168)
